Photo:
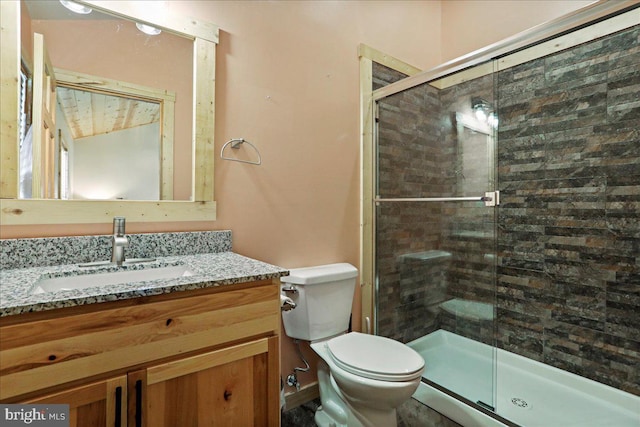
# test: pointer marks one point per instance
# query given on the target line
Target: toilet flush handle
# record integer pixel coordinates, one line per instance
(290, 288)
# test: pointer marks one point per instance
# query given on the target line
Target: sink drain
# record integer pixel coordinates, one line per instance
(520, 403)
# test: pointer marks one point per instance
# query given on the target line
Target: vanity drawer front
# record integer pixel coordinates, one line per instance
(42, 354)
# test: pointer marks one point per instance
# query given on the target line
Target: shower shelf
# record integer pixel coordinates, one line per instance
(473, 310)
(426, 256)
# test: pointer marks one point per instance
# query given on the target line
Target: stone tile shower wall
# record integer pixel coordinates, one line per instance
(569, 239)
(469, 227)
(568, 275)
(407, 167)
(428, 253)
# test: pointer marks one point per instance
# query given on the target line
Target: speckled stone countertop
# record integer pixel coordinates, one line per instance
(220, 268)
(214, 269)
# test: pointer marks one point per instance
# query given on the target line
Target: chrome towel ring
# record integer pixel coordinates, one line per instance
(235, 144)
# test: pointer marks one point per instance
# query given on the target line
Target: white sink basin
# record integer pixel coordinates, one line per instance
(111, 278)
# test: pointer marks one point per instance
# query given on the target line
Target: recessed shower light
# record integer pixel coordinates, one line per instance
(76, 7)
(148, 29)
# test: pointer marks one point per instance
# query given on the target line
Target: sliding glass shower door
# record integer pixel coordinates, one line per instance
(435, 229)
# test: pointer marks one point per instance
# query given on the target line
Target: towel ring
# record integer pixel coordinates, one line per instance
(235, 144)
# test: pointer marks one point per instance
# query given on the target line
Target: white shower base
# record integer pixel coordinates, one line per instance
(527, 393)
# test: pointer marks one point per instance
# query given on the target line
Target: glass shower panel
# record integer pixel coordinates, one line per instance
(435, 237)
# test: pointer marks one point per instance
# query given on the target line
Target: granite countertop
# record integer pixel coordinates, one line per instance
(208, 270)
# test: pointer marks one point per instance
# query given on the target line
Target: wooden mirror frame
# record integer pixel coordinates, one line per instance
(202, 207)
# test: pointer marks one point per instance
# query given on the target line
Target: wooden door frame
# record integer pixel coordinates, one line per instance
(367, 56)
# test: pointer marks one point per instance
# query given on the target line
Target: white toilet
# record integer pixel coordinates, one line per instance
(364, 378)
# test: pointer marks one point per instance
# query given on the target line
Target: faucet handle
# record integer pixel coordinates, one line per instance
(119, 226)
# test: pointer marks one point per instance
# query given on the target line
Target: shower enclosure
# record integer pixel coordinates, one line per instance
(547, 268)
(436, 204)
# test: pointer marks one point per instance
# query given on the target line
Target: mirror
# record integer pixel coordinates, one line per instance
(118, 142)
(112, 68)
(196, 165)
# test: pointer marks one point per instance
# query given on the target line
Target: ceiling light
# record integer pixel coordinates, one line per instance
(76, 7)
(148, 29)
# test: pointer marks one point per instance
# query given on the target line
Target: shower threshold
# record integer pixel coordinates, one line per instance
(527, 392)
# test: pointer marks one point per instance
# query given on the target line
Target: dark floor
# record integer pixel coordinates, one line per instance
(411, 414)
(302, 416)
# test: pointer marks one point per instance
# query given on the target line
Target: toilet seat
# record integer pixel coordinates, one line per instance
(375, 357)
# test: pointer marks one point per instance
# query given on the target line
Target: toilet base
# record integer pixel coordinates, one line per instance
(336, 412)
(322, 419)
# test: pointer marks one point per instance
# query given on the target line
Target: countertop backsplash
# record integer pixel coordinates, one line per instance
(51, 251)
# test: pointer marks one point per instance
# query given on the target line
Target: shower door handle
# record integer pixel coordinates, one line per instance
(490, 198)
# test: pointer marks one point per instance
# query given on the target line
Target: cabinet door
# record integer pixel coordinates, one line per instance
(234, 386)
(98, 404)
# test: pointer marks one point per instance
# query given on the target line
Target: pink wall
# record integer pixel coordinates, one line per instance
(473, 24)
(287, 80)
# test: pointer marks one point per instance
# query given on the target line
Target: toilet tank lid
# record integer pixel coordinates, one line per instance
(320, 274)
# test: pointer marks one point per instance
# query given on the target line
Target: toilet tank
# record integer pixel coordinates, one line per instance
(323, 300)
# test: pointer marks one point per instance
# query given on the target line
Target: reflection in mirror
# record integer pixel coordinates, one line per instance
(108, 135)
(468, 123)
(475, 148)
(87, 113)
(193, 184)
(112, 108)
(62, 169)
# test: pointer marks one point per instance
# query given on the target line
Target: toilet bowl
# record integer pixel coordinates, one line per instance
(373, 376)
(362, 378)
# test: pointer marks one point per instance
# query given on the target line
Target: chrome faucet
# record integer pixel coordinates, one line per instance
(118, 241)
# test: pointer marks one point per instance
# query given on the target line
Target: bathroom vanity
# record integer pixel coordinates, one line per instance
(200, 349)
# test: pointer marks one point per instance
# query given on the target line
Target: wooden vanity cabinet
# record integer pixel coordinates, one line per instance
(101, 403)
(221, 388)
(208, 357)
